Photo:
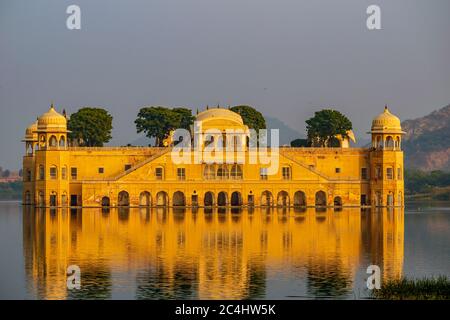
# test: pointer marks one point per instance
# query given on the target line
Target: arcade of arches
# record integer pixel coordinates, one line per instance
(223, 198)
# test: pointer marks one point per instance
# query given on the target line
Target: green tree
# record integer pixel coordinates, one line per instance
(251, 117)
(186, 117)
(300, 143)
(90, 127)
(325, 125)
(157, 122)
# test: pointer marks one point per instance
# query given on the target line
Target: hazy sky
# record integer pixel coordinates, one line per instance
(286, 58)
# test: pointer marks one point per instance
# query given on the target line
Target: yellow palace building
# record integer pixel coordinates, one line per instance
(58, 175)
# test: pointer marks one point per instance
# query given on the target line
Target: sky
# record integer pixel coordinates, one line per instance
(287, 58)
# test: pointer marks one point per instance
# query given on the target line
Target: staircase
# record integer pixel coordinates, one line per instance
(158, 154)
(319, 173)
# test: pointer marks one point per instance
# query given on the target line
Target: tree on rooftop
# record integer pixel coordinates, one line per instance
(251, 117)
(157, 121)
(325, 125)
(90, 127)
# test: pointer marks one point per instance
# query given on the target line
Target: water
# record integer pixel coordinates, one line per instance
(216, 254)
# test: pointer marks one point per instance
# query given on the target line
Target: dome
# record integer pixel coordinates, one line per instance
(31, 132)
(222, 114)
(52, 120)
(386, 122)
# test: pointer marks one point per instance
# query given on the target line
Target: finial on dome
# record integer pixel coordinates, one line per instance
(386, 108)
(218, 106)
(197, 110)
(51, 105)
(207, 107)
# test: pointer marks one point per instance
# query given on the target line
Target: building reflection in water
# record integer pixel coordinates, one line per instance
(207, 253)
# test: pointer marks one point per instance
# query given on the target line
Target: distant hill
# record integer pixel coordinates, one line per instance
(427, 141)
(287, 134)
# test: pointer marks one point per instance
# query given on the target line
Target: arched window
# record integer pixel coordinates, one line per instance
(53, 172)
(222, 172)
(29, 149)
(159, 173)
(236, 172)
(53, 142)
(62, 142)
(41, 172)
(390, 199)
(389, 143)
(378, 143)
(398, 145)
(389, 173)
(41, 199)
(64, 199)
(209, 172)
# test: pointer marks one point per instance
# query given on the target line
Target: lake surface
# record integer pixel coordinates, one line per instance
(216, 254)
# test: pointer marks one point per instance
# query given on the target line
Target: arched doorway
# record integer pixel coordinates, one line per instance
(321, 199)
(106, 202)
(64, 199)
(41, 199)
(209, 199)
(124, 199)
(62, 142)
(236, 199)
(389, 143)
(283, 199)
(337, 201)
(53, 143)
(27, 197)
(53, 200)
(222, 199)
(145, 199)
(390, 199)
(179, 200)
(266, 199)
(162, 199)
(299, 199)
